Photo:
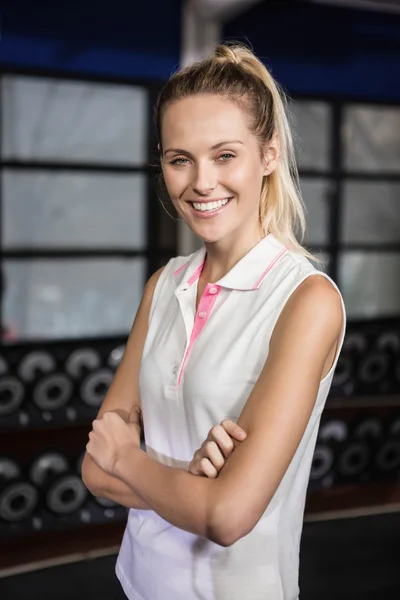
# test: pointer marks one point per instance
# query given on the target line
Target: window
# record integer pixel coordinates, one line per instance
(82, 228)
(349, 162)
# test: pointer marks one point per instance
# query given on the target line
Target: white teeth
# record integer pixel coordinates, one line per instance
(204, 207)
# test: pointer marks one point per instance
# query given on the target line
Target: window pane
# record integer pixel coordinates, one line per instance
(52, 119)
(73, 209)
(316, 199)
(371, 212)
(372, 138)
(71, 298)
(311, 123)
(370, 283)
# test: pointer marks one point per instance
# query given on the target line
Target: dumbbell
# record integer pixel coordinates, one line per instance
(12, 391)
(369, 428)
(386, 460)
(51, 389)
(342, 377)
(93, 381)
(12, 394)
(331, 435)
(18, 498)
(62, 489)
(322, 462)
(355, 458)
(389, 344)
(355, 346)
(393, 424)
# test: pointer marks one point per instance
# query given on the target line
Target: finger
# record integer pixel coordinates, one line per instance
(208, 468)
(223, 439)
(214, 454)
(193, 467)
(233, 429)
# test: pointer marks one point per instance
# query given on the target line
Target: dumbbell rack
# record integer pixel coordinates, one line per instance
(50, 392)
(356, 467)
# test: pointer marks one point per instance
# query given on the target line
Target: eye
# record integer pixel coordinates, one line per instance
(179, 161)
(226, 156)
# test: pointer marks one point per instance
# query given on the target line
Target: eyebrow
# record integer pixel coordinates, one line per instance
(181, 151)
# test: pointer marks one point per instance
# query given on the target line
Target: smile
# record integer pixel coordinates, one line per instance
(209, 208)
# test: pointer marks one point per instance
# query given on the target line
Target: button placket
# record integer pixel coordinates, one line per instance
(206, 304)
(186, 296)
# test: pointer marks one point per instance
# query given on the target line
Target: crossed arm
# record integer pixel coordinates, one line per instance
(275, 417)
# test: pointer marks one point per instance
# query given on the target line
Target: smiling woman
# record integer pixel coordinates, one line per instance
(244, 329)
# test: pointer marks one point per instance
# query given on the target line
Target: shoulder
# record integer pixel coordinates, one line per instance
(315, 305)
(152, 283)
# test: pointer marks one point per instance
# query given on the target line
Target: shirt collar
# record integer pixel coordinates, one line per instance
(247, 274)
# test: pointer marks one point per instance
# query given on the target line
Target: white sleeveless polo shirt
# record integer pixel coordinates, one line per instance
(198, 369)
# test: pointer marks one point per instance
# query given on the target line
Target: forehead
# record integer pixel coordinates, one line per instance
(206, 117)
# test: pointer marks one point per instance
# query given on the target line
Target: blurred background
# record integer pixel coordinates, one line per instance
(82, 228)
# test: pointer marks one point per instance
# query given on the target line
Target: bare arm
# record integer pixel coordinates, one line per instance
(122, 395)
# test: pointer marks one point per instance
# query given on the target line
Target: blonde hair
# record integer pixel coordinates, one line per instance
(234, 72)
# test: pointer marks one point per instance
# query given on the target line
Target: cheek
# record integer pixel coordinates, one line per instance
(175, 181)
(245, 175)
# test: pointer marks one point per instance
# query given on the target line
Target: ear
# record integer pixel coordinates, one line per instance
(271, 155)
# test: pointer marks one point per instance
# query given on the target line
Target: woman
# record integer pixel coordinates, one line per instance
(237, 331)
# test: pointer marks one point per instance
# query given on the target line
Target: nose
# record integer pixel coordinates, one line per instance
(204, 181)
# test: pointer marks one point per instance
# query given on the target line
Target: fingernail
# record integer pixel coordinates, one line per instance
(241, 434)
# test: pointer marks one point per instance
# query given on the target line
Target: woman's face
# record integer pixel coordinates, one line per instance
(212, 166)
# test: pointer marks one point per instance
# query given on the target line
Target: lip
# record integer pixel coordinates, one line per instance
(211, 213)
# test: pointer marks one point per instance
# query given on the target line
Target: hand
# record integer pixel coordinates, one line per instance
(114, 436)
(211, 456)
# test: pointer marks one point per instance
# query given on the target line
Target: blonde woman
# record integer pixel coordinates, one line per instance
(244, 330)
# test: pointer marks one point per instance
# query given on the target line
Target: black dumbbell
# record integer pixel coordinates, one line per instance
(322, 463)
(18, 498)
(369, 428)
(355, 346)
(93, 381)
(62, 489)
(386, 460)
(51, 389)
(12, 394)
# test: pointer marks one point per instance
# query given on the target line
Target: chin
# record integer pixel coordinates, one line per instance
(211, 236)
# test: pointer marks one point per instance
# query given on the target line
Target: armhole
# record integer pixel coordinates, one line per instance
(342, 331)
(157, 288)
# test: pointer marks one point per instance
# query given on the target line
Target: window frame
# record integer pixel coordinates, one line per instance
(153, 252)
(338, 175)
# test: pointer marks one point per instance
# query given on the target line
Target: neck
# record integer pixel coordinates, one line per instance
(223, 255)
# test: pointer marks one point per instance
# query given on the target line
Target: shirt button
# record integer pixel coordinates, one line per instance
(175, 370)
(202, 314)
(213, 290)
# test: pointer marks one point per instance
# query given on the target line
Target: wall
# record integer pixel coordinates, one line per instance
(316, 49)
(120, 38)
